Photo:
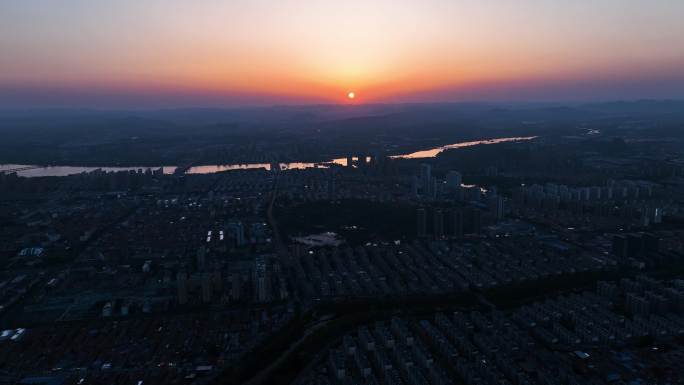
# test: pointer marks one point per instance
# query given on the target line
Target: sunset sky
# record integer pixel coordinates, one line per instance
(157, 53)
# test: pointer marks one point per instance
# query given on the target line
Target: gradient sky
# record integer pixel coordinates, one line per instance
(156, 53)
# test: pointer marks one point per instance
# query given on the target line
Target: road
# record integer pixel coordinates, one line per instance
(264, 374)
(280, 248)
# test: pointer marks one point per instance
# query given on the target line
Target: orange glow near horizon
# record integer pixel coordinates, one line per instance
(318, 51)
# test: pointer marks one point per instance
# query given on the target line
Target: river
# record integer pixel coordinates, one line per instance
(40, 170)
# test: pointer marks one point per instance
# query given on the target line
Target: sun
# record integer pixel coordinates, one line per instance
(351, 95)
